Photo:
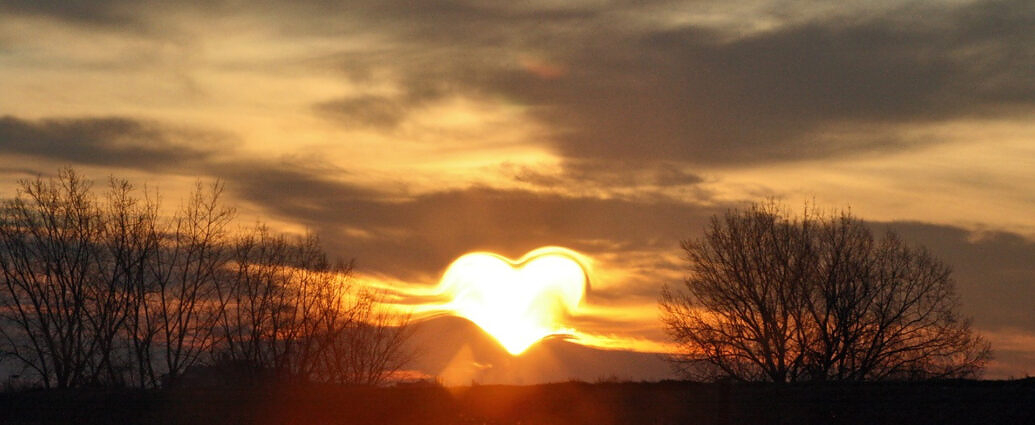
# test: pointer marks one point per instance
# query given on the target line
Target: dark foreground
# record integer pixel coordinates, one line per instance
(977, 402)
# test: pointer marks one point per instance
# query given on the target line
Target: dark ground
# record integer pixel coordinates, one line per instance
(977, 402)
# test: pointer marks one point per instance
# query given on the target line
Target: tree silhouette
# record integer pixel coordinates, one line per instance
(105, 291)
(50, 268)
(775, 297)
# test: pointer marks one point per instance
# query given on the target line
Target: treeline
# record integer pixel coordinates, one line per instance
(104, 289)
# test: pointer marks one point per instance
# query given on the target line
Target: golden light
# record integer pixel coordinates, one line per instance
(517, 302)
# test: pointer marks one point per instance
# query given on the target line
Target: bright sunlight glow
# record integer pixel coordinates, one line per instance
(517, 302)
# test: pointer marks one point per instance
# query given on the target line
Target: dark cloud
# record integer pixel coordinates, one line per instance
(1011, 364)
(606, 174)
(100, 12)
(379, 111)
(814, 89)
(797, 92)
(613, 84)
(426, 233)
(375, 111)
(25, 171)
(110, 141)
(420, 235)
(300, 190)
(994, 271)
(995, 277)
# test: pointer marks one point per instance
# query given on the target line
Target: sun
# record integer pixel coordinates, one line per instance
(517, 302)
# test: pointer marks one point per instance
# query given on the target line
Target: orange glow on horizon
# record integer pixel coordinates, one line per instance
(517, 302)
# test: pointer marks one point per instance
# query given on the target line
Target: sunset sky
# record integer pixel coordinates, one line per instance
(407, 134)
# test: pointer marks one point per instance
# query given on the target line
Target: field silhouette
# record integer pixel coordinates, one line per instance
(669, 402)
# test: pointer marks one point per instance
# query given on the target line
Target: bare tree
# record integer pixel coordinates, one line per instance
(127, 244)
(184, 308)
(49, 262)
(105, 291)
(774, 297)
(372, 346)
(292, 312)
(250, 292)
(317, 305)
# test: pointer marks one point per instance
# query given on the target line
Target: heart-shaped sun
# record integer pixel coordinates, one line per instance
(517, 302)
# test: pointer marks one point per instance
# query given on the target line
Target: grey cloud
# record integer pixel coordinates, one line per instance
(25, 171)
(606, 174)
(614, 86)
(995, 278)
(380, 111)
(101, 12)
(813, 89)
(375, 111)
(1011, 364)
(418, 236)
(292, 188)
(994, 271)
(670, 175)
(109, 141)
(782, 95)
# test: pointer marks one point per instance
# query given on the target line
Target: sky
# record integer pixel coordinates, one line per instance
(407, 134)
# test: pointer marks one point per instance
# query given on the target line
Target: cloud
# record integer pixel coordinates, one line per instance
(379, 111)
(831, 86)
(606, 174)
(376, 111)
(418, 235)
(301, 191)
(994, 273)
(620, 81)
(799, 92)
(102, 13)
(110, 141)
